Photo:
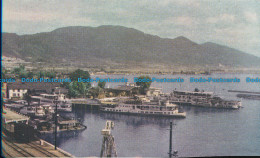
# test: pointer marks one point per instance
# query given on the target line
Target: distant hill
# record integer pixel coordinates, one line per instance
(120, 45)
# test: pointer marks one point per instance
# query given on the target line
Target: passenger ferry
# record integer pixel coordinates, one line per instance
(162, 109)
(203, 99)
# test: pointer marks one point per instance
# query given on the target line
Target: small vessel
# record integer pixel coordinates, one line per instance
(28, 110)
(63, 104)
(65, 107)
(163, 108)
(203, 99)
(40, 112)
(49, 109)
(22, 102)
(34, 111)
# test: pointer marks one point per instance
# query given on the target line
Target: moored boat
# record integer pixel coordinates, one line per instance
(64, 107)
(34, 111)
(162, 109)
(203, 99)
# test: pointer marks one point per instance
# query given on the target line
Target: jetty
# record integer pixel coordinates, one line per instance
(237, 91)
(248, 96)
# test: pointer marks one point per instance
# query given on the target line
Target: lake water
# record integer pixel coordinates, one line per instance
(204, 132)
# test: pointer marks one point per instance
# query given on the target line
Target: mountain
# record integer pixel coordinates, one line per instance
(112, 45)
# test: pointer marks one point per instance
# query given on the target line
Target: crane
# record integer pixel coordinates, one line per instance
(108, 144)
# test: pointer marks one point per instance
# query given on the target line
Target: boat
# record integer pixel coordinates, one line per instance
(49, 109)
(33, 111)
(63, 104)
(160, 109)
(22, 102)
(40, 112)
(28, 110)
(203, 99)
(64, 107)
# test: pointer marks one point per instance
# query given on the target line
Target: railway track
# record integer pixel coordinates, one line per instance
(32, 149)
(18, 149)
(31, 145)
(42, 150)
(5, 153)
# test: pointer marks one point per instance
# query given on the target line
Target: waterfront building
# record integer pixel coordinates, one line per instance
(154, 91)
(129, 89)
(18, 89)
(16, 125)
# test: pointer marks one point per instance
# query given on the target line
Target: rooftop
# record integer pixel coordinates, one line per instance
(33, 85)
(11, 116)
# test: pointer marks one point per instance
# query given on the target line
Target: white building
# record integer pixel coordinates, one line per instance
(17, 90)
(154, 91)
(19, 93)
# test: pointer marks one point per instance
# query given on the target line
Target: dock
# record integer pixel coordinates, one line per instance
(86, 104)
(237, 91)
(248, 96)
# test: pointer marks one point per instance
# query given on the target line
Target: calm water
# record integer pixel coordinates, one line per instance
(204, 132)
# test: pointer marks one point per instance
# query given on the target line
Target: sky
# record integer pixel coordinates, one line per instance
(234, 23)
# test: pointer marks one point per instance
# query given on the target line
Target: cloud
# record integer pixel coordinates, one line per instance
(185, 20)
(221, 18)
(191, 3)
(251, 16)
(181, 20)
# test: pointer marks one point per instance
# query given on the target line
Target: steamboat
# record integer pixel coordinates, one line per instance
(160, 108)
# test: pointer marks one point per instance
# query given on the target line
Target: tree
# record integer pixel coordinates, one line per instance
(196, 90)
(144, 86)
(79, 74)
(101, 84)
(50, 74)
(77, 89)
(16, 70)
(72, 92)
(20, 72)
(30, 74)
(27, 97)
(65, 84)
(19, 69)
(23, 74)
(95, 91)
(41, 74)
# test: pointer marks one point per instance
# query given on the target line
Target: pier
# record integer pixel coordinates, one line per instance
(238, 91)
(248, 96)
